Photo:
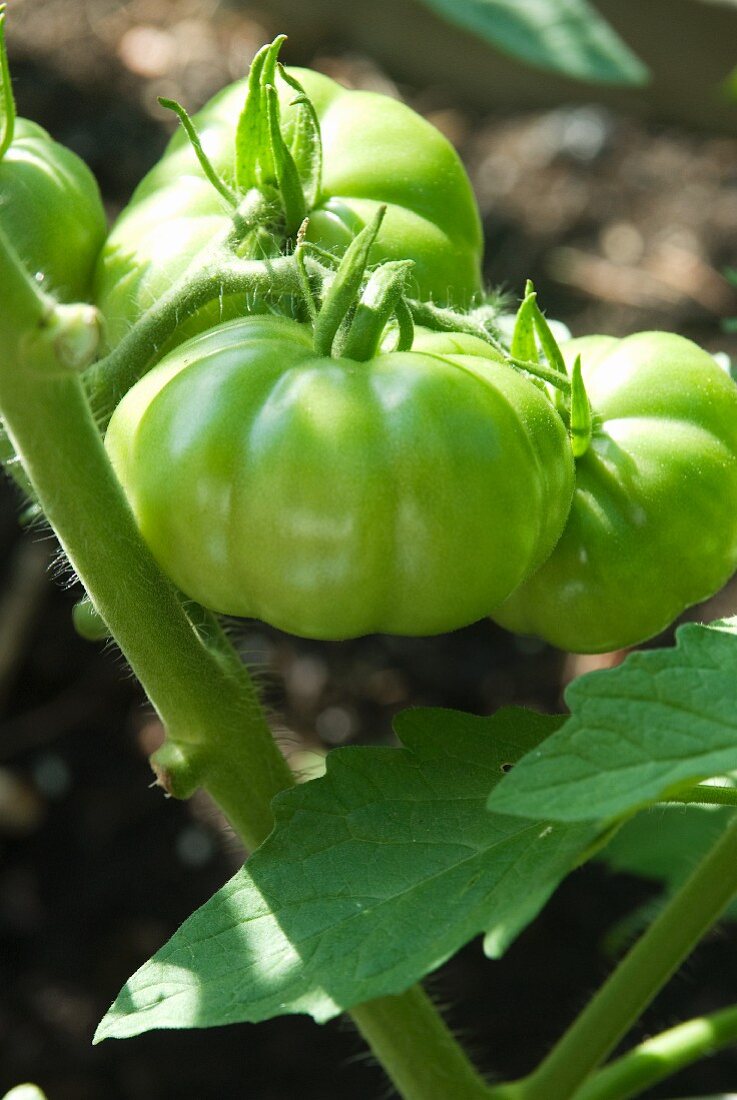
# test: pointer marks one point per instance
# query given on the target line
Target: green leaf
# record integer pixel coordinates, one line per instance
(567, 36)
(373, 876)
(664, 719)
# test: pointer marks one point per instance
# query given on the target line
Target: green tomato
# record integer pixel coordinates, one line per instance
(653, 524)
(375, 151)
(51, 211)
(332, 498)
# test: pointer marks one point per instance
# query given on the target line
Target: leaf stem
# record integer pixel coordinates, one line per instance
(662, 1056)
(638, 978)
(705, 794)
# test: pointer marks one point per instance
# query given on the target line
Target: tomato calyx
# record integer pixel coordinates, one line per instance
(7, 100)
(277, 183)
(569, 393)
(355, 310)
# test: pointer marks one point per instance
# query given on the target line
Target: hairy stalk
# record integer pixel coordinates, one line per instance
(223, 274)
(217, 734)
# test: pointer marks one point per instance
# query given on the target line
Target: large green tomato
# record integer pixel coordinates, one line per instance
(653, 524)
(375, 151)
(332, 498)
(51, 211)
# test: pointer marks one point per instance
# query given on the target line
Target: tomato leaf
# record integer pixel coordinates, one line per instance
(567, 36)
(373, 876)
(663, 719)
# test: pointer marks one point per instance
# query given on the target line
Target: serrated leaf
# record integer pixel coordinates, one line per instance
(566, 36)
(663, 719)
(374, 875)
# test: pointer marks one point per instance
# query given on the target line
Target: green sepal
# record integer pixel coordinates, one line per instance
(254, 166)
(287, 178)
(7, 101)
(581, 420)
(305, 143)
(194, 140)
(341, 298)
(378, 302)
(524, 345)
(548, 343)
(308, 294)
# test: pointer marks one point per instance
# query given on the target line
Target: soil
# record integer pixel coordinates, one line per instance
(623, 225)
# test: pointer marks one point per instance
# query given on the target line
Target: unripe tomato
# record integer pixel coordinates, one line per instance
(653, 524)
(332, 498)
(51, 211)
(375, 151)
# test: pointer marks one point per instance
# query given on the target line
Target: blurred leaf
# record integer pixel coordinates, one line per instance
(374, 875)
(567, 36)
(663, 719)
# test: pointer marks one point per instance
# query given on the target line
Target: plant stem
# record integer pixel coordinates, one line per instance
(109, 379)
(417, 1050)
(662, 1056)
(638, 978)
(217, 734)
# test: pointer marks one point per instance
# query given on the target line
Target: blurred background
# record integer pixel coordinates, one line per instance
(619, 198)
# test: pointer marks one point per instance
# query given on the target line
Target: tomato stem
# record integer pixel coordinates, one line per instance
(217, 733)
(423, 1059)
(205, 698)
(220, 274)
(636, 981)
(442, 319)
(662, 1055)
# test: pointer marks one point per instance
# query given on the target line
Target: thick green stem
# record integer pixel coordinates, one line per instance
(217, 735)
(637, 979)
(417, 1050)
(662, 1056)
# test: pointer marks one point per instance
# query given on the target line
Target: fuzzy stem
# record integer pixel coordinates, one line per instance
(217, 735)
(109, 379)
(417, 1050)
